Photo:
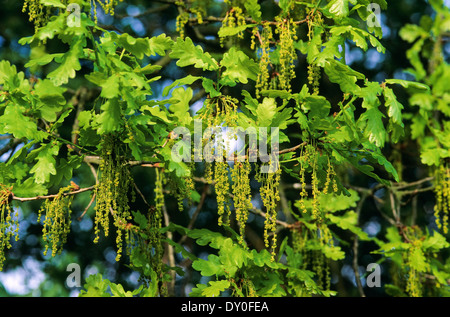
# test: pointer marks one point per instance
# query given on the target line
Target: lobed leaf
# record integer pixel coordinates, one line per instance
(189, 54)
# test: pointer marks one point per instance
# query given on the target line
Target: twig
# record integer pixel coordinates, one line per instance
(88, 206)
(416, 191)
(146, 12)
(79, 99)
(415, 183)
(81, 190)
(171, 284)
(140, 194)
(414, 211)
(394, 208)
(292, 149)
(355, 247)
(261, 213)
(197, 211)
(93, 171)
(213, 19)
(93, 159)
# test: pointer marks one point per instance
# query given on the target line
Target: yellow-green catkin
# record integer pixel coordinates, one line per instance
(263, 78)
(155, 240)
(270, 197)
(222, 188)
(183, 191)
(235, 17)
(309, 159)
(299, 239)
(414, 277)
(155, 220)
(240, 175)
(220, 110)
(112, 192)
(108, 7)
(287, 31)
(9, 223)
(159, 191)
(303, 192)
(442, 194)
(38, 13)
(312, 157)
(195, 9)
(314, 72)
(330, 180)
(181, 21)
(314, 78)
(57, 221)
(326, 239)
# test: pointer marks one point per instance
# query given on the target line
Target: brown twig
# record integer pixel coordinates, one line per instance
(146, 12)
(355, 247)
(140, 194)
(170, 254)
(74, 192)
(213, 19)
(88, 206)
(197, 211)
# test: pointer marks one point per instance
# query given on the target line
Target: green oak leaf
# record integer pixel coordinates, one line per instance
(209, 267)
(110, 119)
(339, 8)
(238, 67)
(13, 121)
(160, 44)
(265, 112)
(342, 75)
(46, 163)
(215, 288)
(69, 63)
(189, 54)
(374, 128)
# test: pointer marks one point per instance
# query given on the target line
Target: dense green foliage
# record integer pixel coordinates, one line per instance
(127, 131)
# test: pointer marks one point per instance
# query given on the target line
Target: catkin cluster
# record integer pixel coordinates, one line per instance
(240, 175)
(310, 244)
(287, 32)
(108, 7)
(188, 9)
(442, 192)
(9, 224)
(181, 21)
(155, 220)
(270, 197)
(235, 17)
(182, 188)
(314, 72)
(299, 237)
(314, 76)
(222, 188)
(265, 38)
(40, 14)
(414, 277)
(37, 12)
(159, 191)
(309, 161)
(112, 192)
(221, 110)
(57, 221)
